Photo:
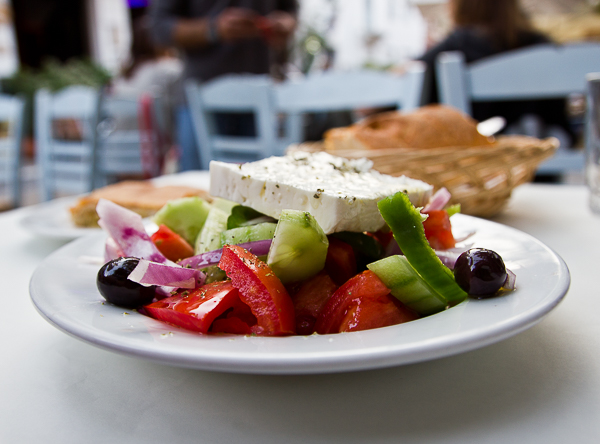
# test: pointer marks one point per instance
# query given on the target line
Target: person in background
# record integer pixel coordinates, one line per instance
(485, 28)
(150, 70)
(219, 37)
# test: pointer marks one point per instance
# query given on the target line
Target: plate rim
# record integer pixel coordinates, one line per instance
(321, 362)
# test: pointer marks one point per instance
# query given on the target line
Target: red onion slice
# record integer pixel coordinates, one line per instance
(111, 250)
(127, 230)
(461, 237)
(203, 260)
(152, 273)
(392, 248)
(438, 201)
(511, 279)
(450, 255)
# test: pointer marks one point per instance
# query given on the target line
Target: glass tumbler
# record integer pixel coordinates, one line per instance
(592, 141)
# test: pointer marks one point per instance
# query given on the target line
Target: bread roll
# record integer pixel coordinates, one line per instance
(141, 197)
(432, 126)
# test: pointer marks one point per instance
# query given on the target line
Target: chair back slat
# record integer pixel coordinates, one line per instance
(347, 90)
(78, 105)
(233, 94)
(12, 116)
(340, 90)
(546, 71)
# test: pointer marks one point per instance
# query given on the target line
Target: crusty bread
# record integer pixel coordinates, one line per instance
(140, 196)
(432, 126)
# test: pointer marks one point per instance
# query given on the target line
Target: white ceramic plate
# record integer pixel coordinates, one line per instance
(52, 219)
(63, 289)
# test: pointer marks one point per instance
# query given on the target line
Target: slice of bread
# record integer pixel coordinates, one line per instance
(432, 126)
(141, 197)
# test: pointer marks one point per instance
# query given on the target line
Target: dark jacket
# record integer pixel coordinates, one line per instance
(475, 45)
(251, 56)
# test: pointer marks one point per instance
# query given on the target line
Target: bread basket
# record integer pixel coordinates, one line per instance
(481, 179)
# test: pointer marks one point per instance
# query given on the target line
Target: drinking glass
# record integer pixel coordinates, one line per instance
(592, 141)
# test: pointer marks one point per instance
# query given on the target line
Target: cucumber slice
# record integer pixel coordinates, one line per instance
(407, 285)
(224, 204)
(209, 237)
(406, 224)
(299, 247)
(185, 216)
(250, 233)
(453, 209)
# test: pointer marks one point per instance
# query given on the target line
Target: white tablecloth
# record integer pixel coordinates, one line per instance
(542, 385)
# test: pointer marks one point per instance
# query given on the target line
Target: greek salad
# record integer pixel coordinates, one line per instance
(273, 256)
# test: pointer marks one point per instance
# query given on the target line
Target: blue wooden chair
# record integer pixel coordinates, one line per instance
(11, 134)
(347, 90)
(537, 72)
(65, 133)
(233, 94)
(109, 143)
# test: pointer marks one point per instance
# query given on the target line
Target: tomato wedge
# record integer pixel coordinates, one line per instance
(171, 245)
(376, 312)
(196, 310)
(310, 299)
(438, 230)
(261, 290)
(362, 303)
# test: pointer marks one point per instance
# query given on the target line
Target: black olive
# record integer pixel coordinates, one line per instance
(114, 286)
(480, 272)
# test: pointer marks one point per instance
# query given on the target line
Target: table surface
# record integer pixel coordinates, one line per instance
(542, 385)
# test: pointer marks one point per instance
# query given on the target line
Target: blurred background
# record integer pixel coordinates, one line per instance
(56, 43)
(330, 34)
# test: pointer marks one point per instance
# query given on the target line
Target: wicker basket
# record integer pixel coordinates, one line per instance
(481, 179)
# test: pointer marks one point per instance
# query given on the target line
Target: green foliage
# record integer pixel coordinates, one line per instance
(55, 75)
(308, 46)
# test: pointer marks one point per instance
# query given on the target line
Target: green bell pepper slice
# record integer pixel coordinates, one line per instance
(405, 221)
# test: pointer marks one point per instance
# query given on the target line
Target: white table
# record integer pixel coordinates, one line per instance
(542, 385)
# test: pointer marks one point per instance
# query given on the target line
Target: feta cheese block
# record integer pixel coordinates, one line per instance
(340, 193)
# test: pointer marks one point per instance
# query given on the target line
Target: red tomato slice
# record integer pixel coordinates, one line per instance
(242, 312)
(361, 303)
(310, 299)
(261, 290)
(376, 312)
(197, 309)
(384, 237)
(231, 325)
(438, 230)
(340, 262)
(239, 320)
(172, 245)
